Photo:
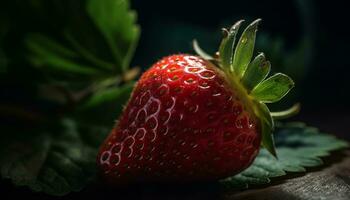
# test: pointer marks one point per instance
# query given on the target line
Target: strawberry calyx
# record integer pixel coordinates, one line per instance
(250, 77)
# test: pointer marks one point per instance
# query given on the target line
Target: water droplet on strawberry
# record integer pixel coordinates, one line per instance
(174, 78)
(126, 152)
(141, 116)
(145, 97)
(117, 148)
(115, 159)
(105, 156)
(162, 90)
(152, 123)
(153, 107)
(139, 145)
(163, 130)
(129, 141)
(190, 81)
(207, 74)
(140, 133)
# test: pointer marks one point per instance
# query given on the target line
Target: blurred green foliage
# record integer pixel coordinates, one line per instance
(62, 64)
(65, 52)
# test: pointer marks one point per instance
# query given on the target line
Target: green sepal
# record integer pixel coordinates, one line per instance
(245, 48)
(256, 72)
(267, 127)
(200, 51)
(268, 141)
(227, 45)
(250, 77)
(286, 113)
(264, 113)
(273, 89)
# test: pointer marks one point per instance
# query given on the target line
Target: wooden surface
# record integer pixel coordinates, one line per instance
(331, 182)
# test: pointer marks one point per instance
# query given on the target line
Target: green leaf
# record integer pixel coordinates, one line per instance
(116, 23)
(97, 41)
(55, 164)
(267, 138)
(273, 89)
(50, 54)
(245, 49)
(227, 45)
(106, 99)
(256, 72)
(298, 147)
(86, 54)
(108, 95)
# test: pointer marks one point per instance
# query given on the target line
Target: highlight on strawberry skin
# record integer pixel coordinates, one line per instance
(197, 117)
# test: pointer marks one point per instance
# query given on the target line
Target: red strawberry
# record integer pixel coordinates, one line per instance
(195, 118)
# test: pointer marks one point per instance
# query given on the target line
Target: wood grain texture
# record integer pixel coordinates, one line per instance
(332, 182)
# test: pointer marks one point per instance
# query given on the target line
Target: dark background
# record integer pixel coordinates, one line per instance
(321, 84)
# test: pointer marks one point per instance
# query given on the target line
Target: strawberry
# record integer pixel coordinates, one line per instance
(193, 118)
